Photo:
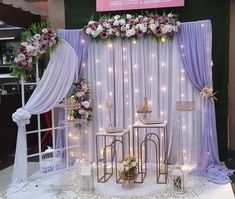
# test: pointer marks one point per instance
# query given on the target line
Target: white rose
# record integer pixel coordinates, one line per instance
(86, 104)
(170, 15)
(145, 19)
(133, 164)
(91, 22)
(122, 21)
(88, 31)
(152, 26)
(126, 168)
(132, 31)
(25, 44)
(94, 33)
(116, 23)
(44, 30)
(128, 16)
(123, 28)
(121, 168)
(128, 33)
(110, 31)
(117, 34)
(37, 36)
(164, 29)
(100, 28)
(143, 28)
(127, 26)
(117, 17)
(140, 16)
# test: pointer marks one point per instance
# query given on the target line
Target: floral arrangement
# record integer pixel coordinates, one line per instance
(207, 92)
(133, 26)
(128, 164)
(82, 99)
(37, 40)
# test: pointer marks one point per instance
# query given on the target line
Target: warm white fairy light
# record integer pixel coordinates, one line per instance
(134, 41)
(151, 79)
(182, 78)
(135, 66)
(182, 71)
(211, 62)
(124, 49)
(182, 46)
(162, 134)
(163, 64)
(70, 135)
(126, 80)
(100, 106)
(163, 88)
(150, 102)
(136, 114)
(124, 57)
(84, 64)
(101, 129)
(82, 41)
(125, 72)
(127, 103)
(85, 131)
(152, 55)
(184, 127)
(98, 83)
(163, 39)
(182, 95)
(162, 113)
(202, 25)
(97, 60)
(110, 45)
(185, 158)
(110, 70)
(160, 158)
(184, 151)
(136, 90)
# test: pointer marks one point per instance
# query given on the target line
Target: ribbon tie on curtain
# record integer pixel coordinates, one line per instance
(21, 117)
(207, 92)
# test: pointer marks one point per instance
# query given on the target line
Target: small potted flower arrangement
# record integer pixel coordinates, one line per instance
(128, 169)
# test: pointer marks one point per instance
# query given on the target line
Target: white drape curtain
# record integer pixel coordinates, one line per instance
(51, 89)
(125, 71)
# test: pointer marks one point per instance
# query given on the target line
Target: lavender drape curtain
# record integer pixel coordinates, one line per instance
(80, 42)
(195, 43)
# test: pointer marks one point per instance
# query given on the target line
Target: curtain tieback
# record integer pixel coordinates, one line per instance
(21, 117)
(207, 92)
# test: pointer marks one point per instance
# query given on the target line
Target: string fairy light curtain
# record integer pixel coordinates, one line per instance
(126, 71)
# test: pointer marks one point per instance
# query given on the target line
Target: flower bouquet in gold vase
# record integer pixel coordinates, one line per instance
(128, 170)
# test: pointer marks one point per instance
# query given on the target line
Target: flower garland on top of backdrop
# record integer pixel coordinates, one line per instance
(38, 40)
(82, 98)
(158, 26)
